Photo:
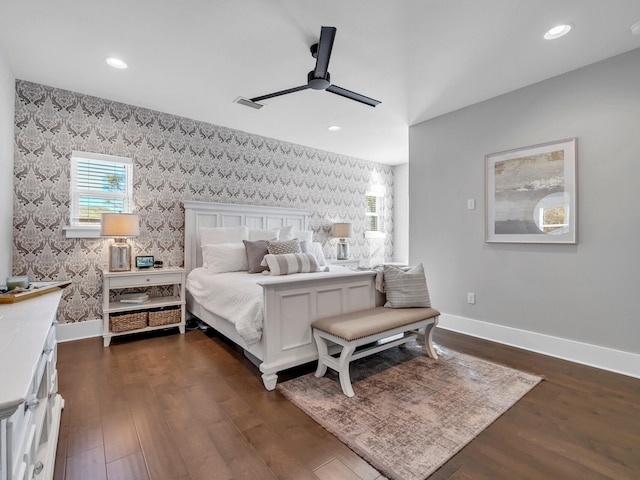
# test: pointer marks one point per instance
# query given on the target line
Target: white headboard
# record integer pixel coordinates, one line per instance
(205, 214)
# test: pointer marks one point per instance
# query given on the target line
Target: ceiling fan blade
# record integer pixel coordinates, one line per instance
(352, 95)
(325, 45)
(281, 92)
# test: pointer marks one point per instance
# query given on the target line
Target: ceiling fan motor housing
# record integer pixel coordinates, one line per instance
(318, 83)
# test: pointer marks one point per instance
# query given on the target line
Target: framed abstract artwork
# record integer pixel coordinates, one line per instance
(531, 194)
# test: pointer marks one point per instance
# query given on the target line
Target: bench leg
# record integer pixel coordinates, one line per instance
(323, 352)
(345, 379)
(428, 339)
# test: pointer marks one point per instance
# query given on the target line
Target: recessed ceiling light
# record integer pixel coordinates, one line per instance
(635, 28)
(116, 63)
(334, 128)
(558, 31)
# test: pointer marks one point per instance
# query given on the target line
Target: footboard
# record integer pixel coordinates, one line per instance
(291, 305)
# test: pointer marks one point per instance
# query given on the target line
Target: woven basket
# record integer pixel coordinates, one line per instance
(121, 322)
(164, 316)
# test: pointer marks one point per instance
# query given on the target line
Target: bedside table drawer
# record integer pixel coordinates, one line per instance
(142, 280)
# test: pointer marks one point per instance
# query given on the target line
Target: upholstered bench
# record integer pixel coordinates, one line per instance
(352, 330)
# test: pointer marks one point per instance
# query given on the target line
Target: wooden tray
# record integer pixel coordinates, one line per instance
(36, 288)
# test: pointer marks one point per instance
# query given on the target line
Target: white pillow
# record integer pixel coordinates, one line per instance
(225, 257)
(217, 235)
(291, 263)
(303, 235)
(286, 233)
(316, 249)
(261, 234)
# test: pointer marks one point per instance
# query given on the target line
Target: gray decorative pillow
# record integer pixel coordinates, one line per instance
(406, 289)
(280, 248)
(255, 254)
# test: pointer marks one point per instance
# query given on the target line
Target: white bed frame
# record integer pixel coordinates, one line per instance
(290, 303)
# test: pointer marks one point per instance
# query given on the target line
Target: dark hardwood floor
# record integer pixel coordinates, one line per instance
(187, 407)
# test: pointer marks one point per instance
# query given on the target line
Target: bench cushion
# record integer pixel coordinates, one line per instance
(354, 325)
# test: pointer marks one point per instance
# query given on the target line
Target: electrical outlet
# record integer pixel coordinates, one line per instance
(471, 204)
(471, 298)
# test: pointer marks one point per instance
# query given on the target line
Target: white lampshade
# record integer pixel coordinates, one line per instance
(342, 230)
(120, 225)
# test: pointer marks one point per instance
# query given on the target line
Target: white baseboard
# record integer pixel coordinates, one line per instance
(617, 361)
(66, 332)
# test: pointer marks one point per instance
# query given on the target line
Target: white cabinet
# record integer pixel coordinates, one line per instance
(30, 405)
(170, 306)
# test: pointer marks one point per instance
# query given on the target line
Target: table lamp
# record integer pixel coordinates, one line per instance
(342, 231)
(120, 226)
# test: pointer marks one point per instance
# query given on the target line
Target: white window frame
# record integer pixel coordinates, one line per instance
(379, 213)
(77, 229)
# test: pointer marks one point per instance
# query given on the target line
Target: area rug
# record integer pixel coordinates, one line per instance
(410, 413)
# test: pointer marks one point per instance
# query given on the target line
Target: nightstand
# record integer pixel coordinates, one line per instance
(158, 312)
(351, 263)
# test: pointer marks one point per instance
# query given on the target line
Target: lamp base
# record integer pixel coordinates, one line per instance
(119, 256)
(343, 250)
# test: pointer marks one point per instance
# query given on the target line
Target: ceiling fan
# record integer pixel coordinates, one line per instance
(318, 78)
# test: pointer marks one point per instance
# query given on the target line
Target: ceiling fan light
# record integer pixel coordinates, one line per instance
(558, 31)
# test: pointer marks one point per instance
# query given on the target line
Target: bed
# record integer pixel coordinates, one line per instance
(289, 302)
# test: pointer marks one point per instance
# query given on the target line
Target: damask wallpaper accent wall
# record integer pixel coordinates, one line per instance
(175, 159)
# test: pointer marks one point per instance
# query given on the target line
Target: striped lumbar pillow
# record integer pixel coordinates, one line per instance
(406, 289)
(291, 263)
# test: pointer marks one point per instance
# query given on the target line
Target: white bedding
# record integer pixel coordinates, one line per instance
(237, 296)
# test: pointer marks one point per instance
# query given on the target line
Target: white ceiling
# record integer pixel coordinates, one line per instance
(421, 58)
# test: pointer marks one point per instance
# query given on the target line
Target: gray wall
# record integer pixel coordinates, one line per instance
(585, 292)
(7, 106)
(175, 159)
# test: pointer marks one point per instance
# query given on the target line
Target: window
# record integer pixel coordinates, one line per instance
(552, 213)
(374, 216)
(554, 219)
(99, 184)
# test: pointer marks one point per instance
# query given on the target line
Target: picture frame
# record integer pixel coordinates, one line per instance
(531, 194)
(144, 261)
